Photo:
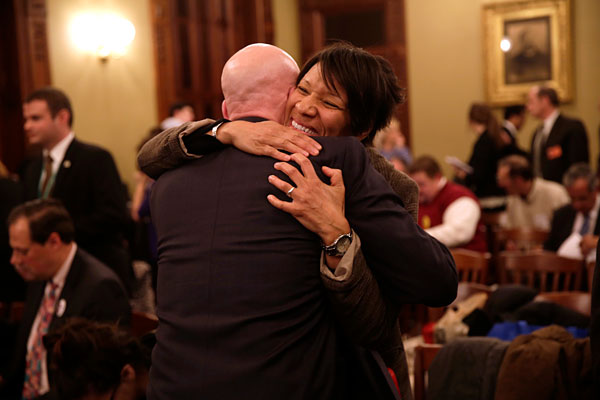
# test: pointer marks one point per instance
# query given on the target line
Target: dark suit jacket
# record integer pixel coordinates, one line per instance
(89, 186)
(12, 287)
(562, 227)
(566, 145)
(512, 147)
(91, 291)
(484, 161)
(241, 304)
(595, 327)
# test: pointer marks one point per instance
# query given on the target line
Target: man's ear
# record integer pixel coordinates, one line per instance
(63, 116)
(224, 110)
(363, 135)
(127, 374)
(53, 240)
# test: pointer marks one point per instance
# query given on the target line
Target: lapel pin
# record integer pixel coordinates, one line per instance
(62, 306)
(67, 164)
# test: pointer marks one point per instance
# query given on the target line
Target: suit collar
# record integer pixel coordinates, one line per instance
(66, 164)
(59, 151)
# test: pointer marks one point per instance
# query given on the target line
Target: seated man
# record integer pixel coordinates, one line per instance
(531, 201)
(575, 226)
(64, 281)
(447, 211)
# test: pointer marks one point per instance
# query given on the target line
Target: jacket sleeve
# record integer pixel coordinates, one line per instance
(167, 150)
(409, 265)
(578, 144)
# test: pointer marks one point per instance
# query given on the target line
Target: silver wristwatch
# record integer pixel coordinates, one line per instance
(340, 246)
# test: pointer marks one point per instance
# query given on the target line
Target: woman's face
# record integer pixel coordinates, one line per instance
(315, 109)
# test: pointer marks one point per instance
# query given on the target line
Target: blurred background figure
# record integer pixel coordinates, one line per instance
(491, 143)
(179, 113)
(391, 143)
(514, 118)
(115, 365)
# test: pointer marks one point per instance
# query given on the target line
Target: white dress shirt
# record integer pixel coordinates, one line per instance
(59, 280)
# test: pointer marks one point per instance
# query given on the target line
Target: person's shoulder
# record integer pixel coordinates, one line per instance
(94, 269)
(551, 186)
(88, 149)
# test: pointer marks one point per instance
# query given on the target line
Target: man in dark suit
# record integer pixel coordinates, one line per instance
(581, 216)
(65, 282)
(560, 142)
(83, 176)
(514, 117)
(241, 306)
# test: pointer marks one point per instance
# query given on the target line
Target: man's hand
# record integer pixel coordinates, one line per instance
(588, 243)
(266, 139)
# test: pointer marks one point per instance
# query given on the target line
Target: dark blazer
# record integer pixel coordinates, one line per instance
(12, 287)
(566, 145)
(89, 186)
(595, 326)
(562, 227)
(484, 161)
(512, 147)
(91, 290)
(241, 304)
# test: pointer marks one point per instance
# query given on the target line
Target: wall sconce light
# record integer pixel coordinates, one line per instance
(505, 44)
(105, 35)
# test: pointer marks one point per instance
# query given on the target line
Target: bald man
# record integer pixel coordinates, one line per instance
(239, 293)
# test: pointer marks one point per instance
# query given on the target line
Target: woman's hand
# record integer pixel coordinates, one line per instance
(316, 205)
(266, 139)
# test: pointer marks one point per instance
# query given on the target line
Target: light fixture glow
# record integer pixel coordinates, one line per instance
(106, 35)
(505, 45)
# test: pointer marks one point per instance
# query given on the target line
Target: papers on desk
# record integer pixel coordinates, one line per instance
(570, 249)
(455, 162)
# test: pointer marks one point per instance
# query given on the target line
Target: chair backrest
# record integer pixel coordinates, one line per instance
(540, 270)
(591, 266)
(142, 323)
(472, 266)
(523, 238)
(424, 355)
(576, 300)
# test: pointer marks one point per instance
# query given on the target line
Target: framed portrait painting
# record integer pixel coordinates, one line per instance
(526, 43)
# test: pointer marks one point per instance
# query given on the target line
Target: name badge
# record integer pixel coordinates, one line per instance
(61, 307)
(553, 152)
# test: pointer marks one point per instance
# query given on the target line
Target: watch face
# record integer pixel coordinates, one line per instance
(343, 244)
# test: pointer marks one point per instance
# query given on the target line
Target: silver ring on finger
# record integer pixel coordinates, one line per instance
(289, 192)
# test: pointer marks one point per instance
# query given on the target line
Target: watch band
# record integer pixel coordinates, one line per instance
(213, 131)
(339, 246)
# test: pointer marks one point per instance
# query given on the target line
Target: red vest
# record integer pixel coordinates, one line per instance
(430, 214)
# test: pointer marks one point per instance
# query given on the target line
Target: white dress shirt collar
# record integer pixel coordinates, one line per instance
(58, 152)
(549, 122)
(511, 128)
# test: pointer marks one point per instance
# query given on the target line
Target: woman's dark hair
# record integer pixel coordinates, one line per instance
(87, 357)
(369, 81)
(482, 114)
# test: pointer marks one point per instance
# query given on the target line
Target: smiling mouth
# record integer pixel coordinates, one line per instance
(304, 129)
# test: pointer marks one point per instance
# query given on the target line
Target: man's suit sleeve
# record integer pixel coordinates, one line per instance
(558, 229)
(167, 150)
(578, 143)
(409, 265)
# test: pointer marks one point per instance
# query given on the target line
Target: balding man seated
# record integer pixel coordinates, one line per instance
(64, 281)
(531, 201)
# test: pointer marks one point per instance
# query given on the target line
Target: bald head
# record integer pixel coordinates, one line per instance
(256, 81)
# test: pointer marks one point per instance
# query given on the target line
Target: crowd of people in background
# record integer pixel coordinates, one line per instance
(73, 235)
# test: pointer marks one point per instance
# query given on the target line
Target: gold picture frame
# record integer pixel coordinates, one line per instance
(535, 36)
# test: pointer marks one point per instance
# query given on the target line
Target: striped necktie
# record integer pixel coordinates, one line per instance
(44, 190)
(33, 367)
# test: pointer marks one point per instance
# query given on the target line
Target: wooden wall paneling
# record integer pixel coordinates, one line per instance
(164, 59)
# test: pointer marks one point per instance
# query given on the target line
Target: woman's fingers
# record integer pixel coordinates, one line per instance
(290, 171)
(307, 168)
(280, 184)
(335, 176)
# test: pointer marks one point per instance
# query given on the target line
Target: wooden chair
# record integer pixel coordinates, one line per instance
(538, 268)
(523, 239)
(575, 300)
(591, 266)
(424, 355)
(142, 323)
(472, 266)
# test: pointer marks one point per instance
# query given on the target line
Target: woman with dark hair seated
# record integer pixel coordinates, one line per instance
(91, 360)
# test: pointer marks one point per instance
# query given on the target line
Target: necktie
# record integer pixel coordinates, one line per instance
(33, 367)
(47, 177)
(540, 141)
(586, 225)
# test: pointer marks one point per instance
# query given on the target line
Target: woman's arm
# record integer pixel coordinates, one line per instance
(192, 140)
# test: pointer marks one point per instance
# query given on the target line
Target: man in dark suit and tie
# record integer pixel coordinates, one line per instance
(560, 142)
(83, 176)
(581, 216)
(65, 282)
(241, 306)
